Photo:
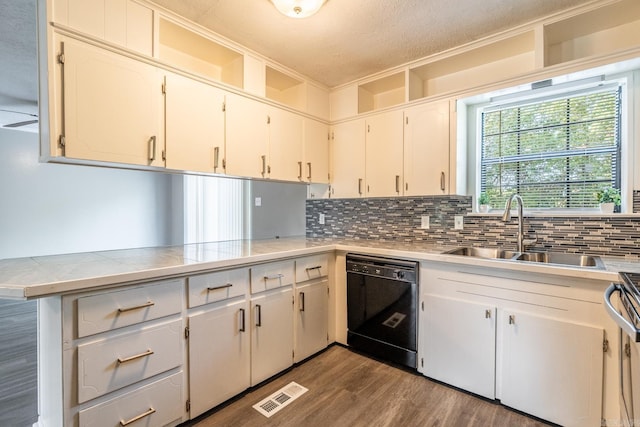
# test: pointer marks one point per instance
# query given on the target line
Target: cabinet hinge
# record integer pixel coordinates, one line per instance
(224, 164)
(164, 88)
(224, 107)
(333, 135)
(422, 305)
(368, 128)
(164, 156)
(268, 120)
(422, 362)
(406, 120)
(61, 58)
(186, 333)
(293, 354)
(188, 405)
(61, 141)
(605, 345)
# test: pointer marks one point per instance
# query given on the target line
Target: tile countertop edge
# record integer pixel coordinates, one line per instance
(388, 249)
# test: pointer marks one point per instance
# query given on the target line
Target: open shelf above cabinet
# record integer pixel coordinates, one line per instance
(381, 93)
(601, 31)
(480, 65)
(193, 52)
(283, 88)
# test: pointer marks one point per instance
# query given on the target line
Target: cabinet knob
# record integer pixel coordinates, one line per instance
(487, 314)
(512, 319)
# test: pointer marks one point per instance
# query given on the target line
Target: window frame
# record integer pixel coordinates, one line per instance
(474, 106)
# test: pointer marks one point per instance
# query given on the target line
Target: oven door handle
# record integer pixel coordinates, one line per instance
(620, 320)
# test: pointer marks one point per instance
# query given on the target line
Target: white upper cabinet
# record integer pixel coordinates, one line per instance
(247, 136)
(384, 154)
(111, 106)
(316, 152)
(426, 149)
(285, 145)
(194, 115)
(124, 22)
(347, 159)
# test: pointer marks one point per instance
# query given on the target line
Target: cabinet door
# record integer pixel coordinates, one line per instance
(316, 152)
(457, 343)
(194, 125)
(246, 147)
(551, 368)
(123, 22)
(285, 145)
(112, 107)
(347, 159)
(219, 355)
(384, 155)
(311, 313)
(271, 334)
(426, 149)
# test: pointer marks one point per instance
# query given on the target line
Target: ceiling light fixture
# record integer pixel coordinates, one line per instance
(298, 8)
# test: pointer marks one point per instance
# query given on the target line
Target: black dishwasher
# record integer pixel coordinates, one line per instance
(382, 307)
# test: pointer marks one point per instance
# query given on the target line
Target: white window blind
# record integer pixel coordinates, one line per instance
(555, 153)
(213, 209)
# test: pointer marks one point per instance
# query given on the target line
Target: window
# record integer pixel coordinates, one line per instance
(555, 152)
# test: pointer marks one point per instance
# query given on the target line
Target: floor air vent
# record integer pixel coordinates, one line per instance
(280, 399)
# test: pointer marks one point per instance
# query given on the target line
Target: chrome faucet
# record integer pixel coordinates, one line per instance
(507, 216)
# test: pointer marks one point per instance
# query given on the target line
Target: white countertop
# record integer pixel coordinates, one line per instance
(36, 277)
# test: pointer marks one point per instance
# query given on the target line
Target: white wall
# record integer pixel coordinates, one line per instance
(54, 208)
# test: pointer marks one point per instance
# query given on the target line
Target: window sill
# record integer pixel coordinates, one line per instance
(593, 214)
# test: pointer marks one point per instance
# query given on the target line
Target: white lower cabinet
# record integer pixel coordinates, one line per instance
(271, 333)
(534, 342)
(311, 313)
(552, 368)
(219, 355)
(158, 404)
(463, 352)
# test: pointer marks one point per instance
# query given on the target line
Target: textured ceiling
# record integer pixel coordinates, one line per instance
(346, 40)
(349, 39)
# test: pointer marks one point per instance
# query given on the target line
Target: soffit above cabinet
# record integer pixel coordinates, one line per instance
(347, 40)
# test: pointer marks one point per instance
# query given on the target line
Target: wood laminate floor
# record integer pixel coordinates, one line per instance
(349, 389)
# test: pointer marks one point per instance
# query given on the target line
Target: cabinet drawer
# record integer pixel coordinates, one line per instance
(157, 404)
(221, 285)
(113, 363)
(272, 275)
(112, 310)
(312, 267)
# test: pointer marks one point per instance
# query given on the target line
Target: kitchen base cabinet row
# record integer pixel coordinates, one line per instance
(164, 352)
(539, 344)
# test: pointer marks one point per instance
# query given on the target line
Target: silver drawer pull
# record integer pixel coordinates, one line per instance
(301, 301)
(137, 307)
(512, 319)
(317, 267)
(274, 276)
(215, 288)
(137, 356)
(139, 417)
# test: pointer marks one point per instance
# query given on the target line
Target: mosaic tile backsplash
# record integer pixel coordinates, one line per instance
(398, 218)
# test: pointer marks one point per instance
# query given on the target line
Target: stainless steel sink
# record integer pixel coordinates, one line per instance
(576, 260)
(496, 253)
(556, 258)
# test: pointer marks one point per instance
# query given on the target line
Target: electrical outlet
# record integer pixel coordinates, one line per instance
(458, 222)
(424, 222)
(321, 219)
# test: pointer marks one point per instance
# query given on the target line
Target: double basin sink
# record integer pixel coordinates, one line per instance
(554, 258)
